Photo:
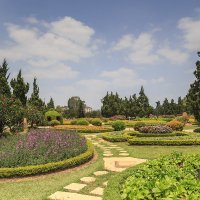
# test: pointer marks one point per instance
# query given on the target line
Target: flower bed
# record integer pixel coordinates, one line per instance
(171, 176)
(35, 154)
(84, 129)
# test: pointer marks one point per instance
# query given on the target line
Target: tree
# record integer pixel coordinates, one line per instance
(81, 109)
(143, 104)
(4, 76)
(158, 109)
(20, 88)
(50, 105)
(35, 100)
(193, 96)
(11, 114)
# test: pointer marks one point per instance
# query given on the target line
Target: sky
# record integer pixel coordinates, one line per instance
(86, 48)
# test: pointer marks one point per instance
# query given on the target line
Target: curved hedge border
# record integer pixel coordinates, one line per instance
(164, 142)
(39, 169)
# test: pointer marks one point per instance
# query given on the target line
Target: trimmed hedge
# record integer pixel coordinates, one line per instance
(164, 142)
(95, 131)
(39, 169)
(161, 135)
(114, 137)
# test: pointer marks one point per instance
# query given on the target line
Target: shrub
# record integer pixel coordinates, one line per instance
(53, 115)
(175, 125)
(114, 137)
(118, 117)
(118, 125)
(96, 122)
(139, 125)
(82, 122)
(54, 123)
(183, 119)
(197, 130)
(73, 122)
(170, 176)
(155, 129)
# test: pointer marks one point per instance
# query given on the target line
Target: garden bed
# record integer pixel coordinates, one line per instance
(43, 151)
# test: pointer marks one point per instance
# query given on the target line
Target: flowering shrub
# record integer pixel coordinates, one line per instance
(155, 129)
(40, 147)
(175, 125)
(139, 125)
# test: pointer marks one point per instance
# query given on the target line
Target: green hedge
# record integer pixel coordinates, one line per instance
(161, 135)
(39, 169)
(95, 131)
(164, 142)
(114, 137)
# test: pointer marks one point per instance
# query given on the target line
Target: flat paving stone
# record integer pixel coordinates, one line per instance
(107, 154)
(123, 151)
(100, 173)
(72, 196)
(97, 191)
(105, 183)
(124, 154)
(75, 187)
(88, 179)
(113, 145)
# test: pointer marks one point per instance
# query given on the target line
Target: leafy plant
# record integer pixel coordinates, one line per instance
(96, 122)
(155, 129)
(176, 125)
(139, 125)
(118, 125)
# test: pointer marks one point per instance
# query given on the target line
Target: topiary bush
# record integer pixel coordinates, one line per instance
(197, 130)
(118, 125)
(53, 115)
(155, 129)
(139, 125)
(54, 122)
(96, 122)
(82, 122)
(175, 125)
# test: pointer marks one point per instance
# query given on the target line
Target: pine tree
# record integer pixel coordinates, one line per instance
(81, 109)
(4, 76)
(193, 96)
(166, 107)
(51, 105)
(20, 88)
(35, 100)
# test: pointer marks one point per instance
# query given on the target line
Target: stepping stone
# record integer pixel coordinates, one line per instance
(97, 191)
(100, 173)
(113, 145)
(72, 196)
(105, 183)
(88, 179)
(124, 154)
(107, 154)
(75, 187)
(123, 151)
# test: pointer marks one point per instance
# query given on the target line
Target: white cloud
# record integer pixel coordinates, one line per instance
(174, 55)
(191, 33)
(140, 49)
(123, 77)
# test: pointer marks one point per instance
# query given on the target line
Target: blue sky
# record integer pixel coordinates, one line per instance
(86, 48)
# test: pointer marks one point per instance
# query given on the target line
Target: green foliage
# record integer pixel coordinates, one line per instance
(34, 116)
(118, 125)
(182, 119)
(54, 122)
(170, 177)
(81, 109)
(4, 76)
(193, 96)
(175, 125)
(53, 115)
(52, 166)
(82, 122)
(96, 122)
(50, 105)
(11, 114)
(20, 88)
(139, 125)
(114, 136)
(197, 130)
(93, 114)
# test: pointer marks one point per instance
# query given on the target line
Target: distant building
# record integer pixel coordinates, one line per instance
(88, 109)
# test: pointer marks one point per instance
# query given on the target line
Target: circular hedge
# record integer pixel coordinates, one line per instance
(58, 150)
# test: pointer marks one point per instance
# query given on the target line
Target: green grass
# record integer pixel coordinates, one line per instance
(191, 127)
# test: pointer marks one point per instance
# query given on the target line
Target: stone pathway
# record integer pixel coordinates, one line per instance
(117, 163)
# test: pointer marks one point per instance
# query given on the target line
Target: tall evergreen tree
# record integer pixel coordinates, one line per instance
(166, 107)
(51, 105)
(20, 88)
(4, 76)
(81, 109)
(158, 109)
(35, 100)
(193, 96)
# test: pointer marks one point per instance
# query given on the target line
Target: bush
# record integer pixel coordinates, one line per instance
(183, 119)
(52, 166)
(170, 176)
(175, 125)
(73, 122)
(96, 122)
(118, 125)
(139, 125)
(53, 115)
(54, 123)
(155, 129)
(114, 137)
(197, 130)
(82, 122)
